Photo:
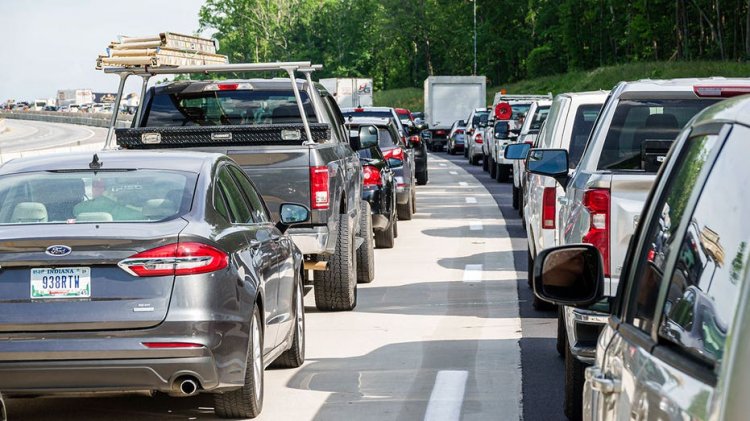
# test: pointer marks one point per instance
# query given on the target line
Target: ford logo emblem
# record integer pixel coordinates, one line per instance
(58, 250)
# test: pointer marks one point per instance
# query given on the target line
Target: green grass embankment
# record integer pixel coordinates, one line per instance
(576, 81)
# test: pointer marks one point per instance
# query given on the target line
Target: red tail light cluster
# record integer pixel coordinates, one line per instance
(459, 131)
(319, 193)
(478, 138)
(395, 153)
(548, 207)
(596, 201)
(372, 176)
(176, 259)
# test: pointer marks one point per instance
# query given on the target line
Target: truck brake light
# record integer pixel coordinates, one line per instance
(478, 138)
(597, 202)
(319, 191)
(548, 207)
(227, 86)
(709, 91)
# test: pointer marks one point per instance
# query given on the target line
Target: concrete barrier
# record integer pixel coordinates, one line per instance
(84, 119)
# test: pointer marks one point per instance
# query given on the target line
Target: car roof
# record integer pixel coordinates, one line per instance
(732, 110)
(673, 88)
(353, 109)
(174, 160)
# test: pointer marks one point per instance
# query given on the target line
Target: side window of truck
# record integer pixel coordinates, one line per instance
(712, 260)
(658, 242)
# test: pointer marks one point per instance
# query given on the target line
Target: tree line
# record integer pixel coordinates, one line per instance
(399, 43)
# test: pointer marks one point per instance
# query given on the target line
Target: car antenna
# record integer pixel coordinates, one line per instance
(95, 164)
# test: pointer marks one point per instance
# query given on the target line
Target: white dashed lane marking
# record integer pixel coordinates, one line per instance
(476, 226)
(471, 200)
(447, 396)
(473, 273)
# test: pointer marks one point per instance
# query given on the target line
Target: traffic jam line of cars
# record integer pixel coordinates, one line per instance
(633, 205)
(230, 199)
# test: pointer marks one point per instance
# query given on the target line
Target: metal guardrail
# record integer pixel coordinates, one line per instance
(84, 119)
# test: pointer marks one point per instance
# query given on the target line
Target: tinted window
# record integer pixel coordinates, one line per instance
(519, 110)
(539, 116)
(257, 207)
(582, 125)
(173, 107)
(239, 210)
(386, 138)
(382, 114)
(88, 196)
(478, 118)
(220, 203)
(645, 124)
(658, 242)
(711, 264)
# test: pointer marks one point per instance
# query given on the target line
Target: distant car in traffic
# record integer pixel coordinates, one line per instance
(457, 137)
(145, 271)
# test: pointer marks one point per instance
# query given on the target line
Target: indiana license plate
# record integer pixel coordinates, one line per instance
(47, 283)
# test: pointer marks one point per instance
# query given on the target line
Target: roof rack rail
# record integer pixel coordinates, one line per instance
(146, 72)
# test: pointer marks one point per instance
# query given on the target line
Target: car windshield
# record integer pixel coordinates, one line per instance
(645, 125)
(48, 197)
(221, 108)
(478, 117)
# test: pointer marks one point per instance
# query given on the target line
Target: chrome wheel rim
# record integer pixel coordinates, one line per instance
(257, 359)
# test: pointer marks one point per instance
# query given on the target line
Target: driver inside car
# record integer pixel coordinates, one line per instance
(101, 202)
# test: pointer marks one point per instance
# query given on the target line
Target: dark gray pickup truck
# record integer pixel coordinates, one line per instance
(306, 158)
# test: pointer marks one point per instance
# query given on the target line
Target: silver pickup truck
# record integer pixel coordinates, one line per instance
(289, 136)
(605, 195)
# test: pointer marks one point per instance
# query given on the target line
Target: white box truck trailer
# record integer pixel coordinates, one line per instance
(350, 92)
(450, 98)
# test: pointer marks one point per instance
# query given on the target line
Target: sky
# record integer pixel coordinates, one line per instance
(46, 45)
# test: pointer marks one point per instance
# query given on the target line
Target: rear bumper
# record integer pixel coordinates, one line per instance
(378, 207)
(311, 240)
(583, 327)
(108, 375)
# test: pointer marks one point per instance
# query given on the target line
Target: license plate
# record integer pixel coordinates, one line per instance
(47, 283)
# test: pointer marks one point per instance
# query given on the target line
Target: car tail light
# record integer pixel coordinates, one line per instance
(371, 176)
(359, 110)
(176, 259)
(596, 201)
(171, 345)
(319, 194)
(440, 132)
(704, 91)
(395, 153)
(478, 138)
(459, 131)
(548, 207)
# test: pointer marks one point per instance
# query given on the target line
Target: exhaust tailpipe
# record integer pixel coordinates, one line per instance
(185, 386)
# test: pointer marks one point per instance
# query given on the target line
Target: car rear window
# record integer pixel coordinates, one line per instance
(539, 116)
(582, 124)
(518, 110)
(382, 114)
(222, 108)
(645, 127)
(101, 196)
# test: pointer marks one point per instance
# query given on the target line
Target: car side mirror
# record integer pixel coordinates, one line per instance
(292, 214)
(516, 151)
(569, 275)
(550, 162)
(501, 130)
(365, 138)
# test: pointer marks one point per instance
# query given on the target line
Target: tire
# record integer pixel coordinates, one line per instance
(474, 160)
(413, 202)
(485, 163)
(574, 379)
(295, 355)
(247, 401)
(3, 413)
(562, 338)
(336, 287)
(502, 174)
(493, 168)
(405, 211)
(422, 178)
(466, 152)
(366, 252)
(395, 227)
(451, 151)
(384, 239)
(516, 198)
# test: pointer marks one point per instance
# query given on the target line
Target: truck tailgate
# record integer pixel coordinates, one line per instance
(628, 195)
(280, 174)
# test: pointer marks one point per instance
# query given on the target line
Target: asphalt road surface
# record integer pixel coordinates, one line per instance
(445, 332)
(31, 137)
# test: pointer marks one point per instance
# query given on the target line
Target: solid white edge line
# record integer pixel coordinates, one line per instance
(447, 396)
(473, 273)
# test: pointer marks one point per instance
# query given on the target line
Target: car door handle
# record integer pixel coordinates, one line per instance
(603, 384)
